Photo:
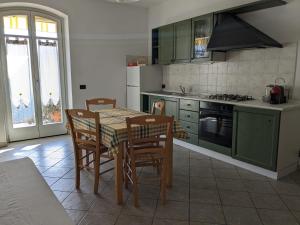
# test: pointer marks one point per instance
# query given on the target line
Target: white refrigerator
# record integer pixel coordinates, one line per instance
(139, 79)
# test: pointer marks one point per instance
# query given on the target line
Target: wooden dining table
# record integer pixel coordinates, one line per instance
(114, 136)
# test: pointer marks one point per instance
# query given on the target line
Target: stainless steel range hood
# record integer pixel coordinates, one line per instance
(231, 32)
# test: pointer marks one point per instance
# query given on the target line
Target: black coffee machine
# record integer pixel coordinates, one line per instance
(277, 95)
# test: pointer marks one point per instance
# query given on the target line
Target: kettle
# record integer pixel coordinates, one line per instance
(267, 96)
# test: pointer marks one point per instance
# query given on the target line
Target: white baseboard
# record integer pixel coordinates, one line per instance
(230, 160)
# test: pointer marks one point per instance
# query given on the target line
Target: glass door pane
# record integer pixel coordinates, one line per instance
(19, 71)
(16, 25)
(50, 86)
(49, 70)
(20, 82)
(202, 32)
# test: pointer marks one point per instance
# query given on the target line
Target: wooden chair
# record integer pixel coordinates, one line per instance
(158, 106)
(147, 150)
(88, 141)
(100, 101)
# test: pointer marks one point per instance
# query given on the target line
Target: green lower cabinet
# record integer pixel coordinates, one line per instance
(171, 104)
(192, 139)
(189, 127)
(255, 136)
(153, 99)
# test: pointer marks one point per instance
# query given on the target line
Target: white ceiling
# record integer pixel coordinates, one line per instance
(144, 3)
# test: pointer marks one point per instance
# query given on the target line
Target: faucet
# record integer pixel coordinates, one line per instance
(182, 89)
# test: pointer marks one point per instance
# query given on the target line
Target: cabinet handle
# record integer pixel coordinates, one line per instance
(188, 104)
(188, 127)
(188, 116)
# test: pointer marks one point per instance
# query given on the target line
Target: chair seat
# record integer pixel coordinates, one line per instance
(90, 147)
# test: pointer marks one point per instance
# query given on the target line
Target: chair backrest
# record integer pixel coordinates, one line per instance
(158, 106)
(140, 129)
(100, 101)
(84, 135)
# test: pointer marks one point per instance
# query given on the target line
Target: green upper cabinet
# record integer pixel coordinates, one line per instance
(202, 28)
(255, 136)
(166, 44)
(201, 31)
(182, 36)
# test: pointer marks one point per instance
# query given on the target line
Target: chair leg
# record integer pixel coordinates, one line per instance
(126, 163)
(87, 158)
(97, 172)
(135, 185)
(163, 183)
(77, 168)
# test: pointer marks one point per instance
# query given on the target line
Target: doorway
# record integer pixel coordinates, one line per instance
(33, 68)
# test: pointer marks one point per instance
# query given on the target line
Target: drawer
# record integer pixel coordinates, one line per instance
(192, 139)
(189, 116)
(189, 105)
(189, 127)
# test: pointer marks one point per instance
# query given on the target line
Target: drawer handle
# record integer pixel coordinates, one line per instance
(188, 104)
(188, 116)
(188, 127)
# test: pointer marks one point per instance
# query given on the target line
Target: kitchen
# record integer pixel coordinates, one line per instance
(90, 144)
(225, 97)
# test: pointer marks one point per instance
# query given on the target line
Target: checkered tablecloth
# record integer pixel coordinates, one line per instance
(114, 129)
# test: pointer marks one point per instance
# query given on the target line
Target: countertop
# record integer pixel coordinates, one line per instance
(291, 105)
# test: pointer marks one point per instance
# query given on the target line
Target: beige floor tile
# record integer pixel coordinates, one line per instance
(133, 220)
(98, 219)
(76, 215)
(78, 201)
(277, 217)
(241, 216)
(235, 198)
(206, 213)
(173, 210)
(267, 201)
(204, 196)
(146, 208)
(169, 222)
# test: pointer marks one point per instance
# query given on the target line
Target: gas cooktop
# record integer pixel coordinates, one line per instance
(231, 97)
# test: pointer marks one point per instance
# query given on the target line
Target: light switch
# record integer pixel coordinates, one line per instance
(82, 86)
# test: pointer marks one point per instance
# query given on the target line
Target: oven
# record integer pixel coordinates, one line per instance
(215, 123)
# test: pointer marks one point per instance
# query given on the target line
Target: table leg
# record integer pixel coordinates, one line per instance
(170, 165)
(119, 174)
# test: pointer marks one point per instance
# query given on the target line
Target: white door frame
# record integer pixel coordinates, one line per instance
(67, 59)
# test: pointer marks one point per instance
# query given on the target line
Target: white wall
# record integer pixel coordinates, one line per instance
(281, 23)
(297, 78)
(101, 35)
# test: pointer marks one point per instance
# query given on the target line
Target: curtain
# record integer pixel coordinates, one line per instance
(49, 71)
(19, 73)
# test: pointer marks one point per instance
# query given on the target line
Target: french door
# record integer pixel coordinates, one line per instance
(32, 59)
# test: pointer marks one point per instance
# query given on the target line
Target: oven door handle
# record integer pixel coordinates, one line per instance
(214, 114)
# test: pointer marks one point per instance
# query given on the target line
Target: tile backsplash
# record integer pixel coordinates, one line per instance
(245, 72)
